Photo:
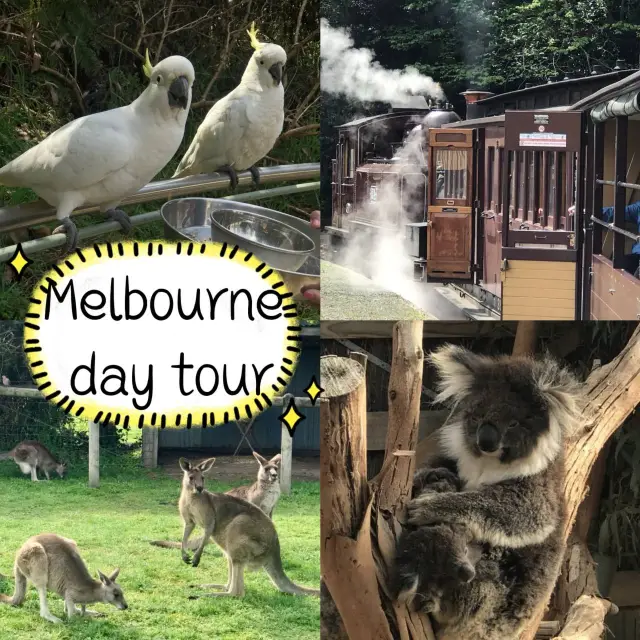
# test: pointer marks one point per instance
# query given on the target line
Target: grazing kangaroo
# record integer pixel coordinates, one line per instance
(52, 562)
(264, 493)
(246, 535)
(30, 456)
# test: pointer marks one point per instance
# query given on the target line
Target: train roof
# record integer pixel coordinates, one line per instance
(604, 79)
(621, 96)
(383, 116)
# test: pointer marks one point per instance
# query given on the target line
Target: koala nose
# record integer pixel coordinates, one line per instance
(488, 438)
(467, 573)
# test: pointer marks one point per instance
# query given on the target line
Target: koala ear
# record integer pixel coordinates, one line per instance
(408, 589)
(562, 391)
(457, 368)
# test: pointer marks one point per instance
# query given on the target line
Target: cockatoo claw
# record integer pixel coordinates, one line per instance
(120, 216)
(69, 228)
(255, 174)
(233, 176)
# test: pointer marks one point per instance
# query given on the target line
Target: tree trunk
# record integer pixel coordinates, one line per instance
(611, 395)
(526, 338)
(395, 480)
(346, 558)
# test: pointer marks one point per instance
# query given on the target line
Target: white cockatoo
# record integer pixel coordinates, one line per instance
(241, 128)
(100, 159)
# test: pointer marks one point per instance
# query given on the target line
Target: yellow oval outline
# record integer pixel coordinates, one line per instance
(97, 253)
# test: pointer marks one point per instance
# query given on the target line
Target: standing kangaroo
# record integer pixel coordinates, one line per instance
(264, 493)
(30, 456)
(244, 532)
(52, 562)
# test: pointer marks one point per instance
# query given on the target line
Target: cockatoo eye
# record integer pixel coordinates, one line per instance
(261, 61)
(158, 79)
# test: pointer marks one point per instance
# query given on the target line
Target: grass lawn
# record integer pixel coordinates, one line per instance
(112, 526)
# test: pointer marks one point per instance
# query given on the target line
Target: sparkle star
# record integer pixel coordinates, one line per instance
(313, 390)
(291, 418)
(20, 261)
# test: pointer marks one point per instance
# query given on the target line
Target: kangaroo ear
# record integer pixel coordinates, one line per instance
(261, 461)
(185, 465)
(457, 368)
(205, 466)
(276, 459)
(114, 575)
(105, 581)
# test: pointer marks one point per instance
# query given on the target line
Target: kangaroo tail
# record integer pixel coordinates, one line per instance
(192, 545)
(273, 567)
(20, 590)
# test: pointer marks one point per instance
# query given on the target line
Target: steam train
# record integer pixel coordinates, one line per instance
(523, 204)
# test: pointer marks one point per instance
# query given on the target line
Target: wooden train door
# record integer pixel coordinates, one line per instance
(542, 168)
(449, 211)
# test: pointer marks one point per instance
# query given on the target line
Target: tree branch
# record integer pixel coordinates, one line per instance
(167, 20)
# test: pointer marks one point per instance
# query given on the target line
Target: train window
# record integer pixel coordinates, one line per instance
(522, 179)
(552, 189)
(450, 137)
(531, 182)
(451, 174)
(500, 178)
(490, 195)
(512, 182)
(562, 192)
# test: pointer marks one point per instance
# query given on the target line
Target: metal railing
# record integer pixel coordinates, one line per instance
(34, 213)
(39, 212)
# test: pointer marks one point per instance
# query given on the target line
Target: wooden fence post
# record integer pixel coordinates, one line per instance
(94, 454)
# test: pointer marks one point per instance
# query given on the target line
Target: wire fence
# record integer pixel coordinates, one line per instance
(35, 419)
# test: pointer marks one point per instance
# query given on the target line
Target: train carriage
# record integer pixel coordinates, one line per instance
(529, 203)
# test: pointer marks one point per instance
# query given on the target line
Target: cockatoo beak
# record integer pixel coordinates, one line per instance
(179, 93)
(275, 70)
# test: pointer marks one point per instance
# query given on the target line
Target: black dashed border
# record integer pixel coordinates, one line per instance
(181, 419)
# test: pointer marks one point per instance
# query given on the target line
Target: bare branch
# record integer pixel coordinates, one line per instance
(306, 130)
(299, 22)
(70, 82)
(167, 20)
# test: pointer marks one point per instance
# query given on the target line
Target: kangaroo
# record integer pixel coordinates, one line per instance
(246, 535)
(264, 493)
(52, 562)
(30, 456)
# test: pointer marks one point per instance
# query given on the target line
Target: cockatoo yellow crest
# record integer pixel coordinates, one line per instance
(147, 67)
(253, 36)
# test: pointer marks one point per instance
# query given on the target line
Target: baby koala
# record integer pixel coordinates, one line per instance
(432, 561)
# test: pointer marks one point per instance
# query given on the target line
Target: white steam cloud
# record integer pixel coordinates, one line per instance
(384, 257)
(355, 73)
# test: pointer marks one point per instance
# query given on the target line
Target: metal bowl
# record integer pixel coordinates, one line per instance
(278, 244)
(189, 219)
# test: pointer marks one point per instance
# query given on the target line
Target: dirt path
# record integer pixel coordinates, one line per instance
(232, 468)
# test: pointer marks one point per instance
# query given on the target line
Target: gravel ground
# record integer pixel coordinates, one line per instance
(347, 295)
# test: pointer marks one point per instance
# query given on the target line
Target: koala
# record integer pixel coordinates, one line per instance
(504, 440)
(431, 562)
